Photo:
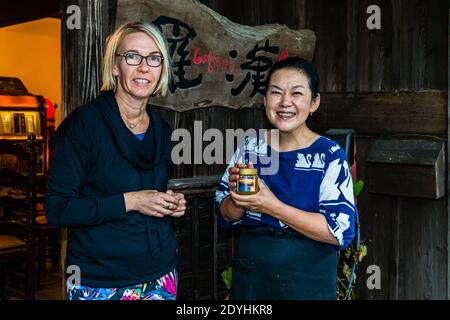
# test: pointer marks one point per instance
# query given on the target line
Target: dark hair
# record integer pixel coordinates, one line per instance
(299, 64)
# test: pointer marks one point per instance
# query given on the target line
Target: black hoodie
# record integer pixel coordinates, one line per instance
(96, 160)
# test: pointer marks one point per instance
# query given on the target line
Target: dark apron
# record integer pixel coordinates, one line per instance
(282, 264)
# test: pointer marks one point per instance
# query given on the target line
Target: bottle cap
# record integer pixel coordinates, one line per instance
(244, 171)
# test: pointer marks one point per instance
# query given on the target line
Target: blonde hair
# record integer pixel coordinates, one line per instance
(116, 39)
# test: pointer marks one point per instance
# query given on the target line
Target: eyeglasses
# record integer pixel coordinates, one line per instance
(135, 59)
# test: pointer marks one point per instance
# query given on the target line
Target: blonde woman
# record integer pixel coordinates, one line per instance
(109, 174)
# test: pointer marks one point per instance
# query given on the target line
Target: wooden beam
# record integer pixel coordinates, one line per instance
(422, 112)
(448, 163)
(82, 51)
(300, 13)
(352, 52)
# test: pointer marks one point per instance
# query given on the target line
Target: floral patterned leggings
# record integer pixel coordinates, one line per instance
(164, 288)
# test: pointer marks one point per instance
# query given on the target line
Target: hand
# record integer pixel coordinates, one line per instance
(181, 208)
(154, 203)
(233, 178)
(233, 174)
(263, 201)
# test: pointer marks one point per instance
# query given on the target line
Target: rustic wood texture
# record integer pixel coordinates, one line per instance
(447, 176)
(408, 53)
(385, 113)
(205, 251)
(216, 61)
(82, 51)
(258, 12)
(406, 237)
(422, 249)
(416, 181)
(219, 118)
(413, 167)
(330, 54)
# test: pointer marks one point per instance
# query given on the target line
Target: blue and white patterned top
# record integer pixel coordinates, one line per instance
(313, 179)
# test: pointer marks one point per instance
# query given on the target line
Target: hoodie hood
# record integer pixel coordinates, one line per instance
(143, 154)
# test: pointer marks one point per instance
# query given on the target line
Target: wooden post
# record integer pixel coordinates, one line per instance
(448, 171)
(82, 51)
(300, 15)
(352, 54)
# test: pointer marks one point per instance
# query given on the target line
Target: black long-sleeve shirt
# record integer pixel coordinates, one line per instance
(96, 160)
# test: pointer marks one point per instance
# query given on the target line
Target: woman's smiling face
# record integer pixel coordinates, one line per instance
(288, 100)
(140, 81)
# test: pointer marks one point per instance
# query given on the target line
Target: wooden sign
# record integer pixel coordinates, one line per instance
(216, 62)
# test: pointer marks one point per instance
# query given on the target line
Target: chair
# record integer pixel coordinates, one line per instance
(17, 237)
(48, 243)
(48, 247)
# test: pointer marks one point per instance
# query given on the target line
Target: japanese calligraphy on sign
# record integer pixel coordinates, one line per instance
(215, 62)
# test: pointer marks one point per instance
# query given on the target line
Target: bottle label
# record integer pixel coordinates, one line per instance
(247, 184)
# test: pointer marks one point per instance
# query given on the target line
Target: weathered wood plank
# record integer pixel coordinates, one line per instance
(351, 59)
(217, 118)
(448, 156)
(437, 41)
(194, 182)
(423, 249)
(82, 51)
(259, 12)
(330, 54)
(408, 53)
(406, 239)
(422, 35)
(298, 14)
(379, 229)
(204, 250)
(374, 49)
(422, 112)
(407, 167)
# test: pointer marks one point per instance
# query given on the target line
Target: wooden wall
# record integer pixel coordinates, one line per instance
(82, 50)
(380, 82)
(408, 53)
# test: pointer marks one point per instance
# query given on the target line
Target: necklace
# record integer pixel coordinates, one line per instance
(128, 123)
